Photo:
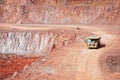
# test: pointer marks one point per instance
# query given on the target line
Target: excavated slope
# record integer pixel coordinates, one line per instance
(17, 40)
(60, 11)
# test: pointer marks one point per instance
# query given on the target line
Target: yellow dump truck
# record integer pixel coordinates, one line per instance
(93, 42)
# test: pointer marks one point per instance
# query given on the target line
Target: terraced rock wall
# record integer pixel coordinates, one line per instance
(38, 42)
(60, 11)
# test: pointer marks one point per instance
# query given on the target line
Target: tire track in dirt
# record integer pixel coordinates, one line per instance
(88, 60)
(73, 62)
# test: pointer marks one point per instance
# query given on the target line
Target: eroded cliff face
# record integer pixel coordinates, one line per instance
(38, 43)
(60, 11)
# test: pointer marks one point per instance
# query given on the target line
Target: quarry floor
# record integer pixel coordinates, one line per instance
(72, 62)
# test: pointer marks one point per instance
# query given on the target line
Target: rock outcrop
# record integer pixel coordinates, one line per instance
(38, 42)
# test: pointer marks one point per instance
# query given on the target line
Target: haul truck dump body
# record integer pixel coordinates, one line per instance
(93, 42)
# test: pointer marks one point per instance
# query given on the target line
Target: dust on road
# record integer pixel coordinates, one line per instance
(73, 62)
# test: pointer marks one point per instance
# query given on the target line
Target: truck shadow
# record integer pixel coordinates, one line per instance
(102, 45)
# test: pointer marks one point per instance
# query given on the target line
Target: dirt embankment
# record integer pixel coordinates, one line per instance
(109, 61)
(32, 42)
(76, 62)
(39, 42)
(11, 63)
(60, 11)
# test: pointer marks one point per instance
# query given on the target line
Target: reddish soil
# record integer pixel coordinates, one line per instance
(11, 63)
(76, 62)
(60, 11)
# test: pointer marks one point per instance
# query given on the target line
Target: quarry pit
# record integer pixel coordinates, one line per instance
(52, 51)
(44, 39)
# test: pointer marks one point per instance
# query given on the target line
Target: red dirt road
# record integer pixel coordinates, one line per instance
(75, 61)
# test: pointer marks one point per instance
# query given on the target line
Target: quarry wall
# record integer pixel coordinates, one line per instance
(60, 11)
(38, 43)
